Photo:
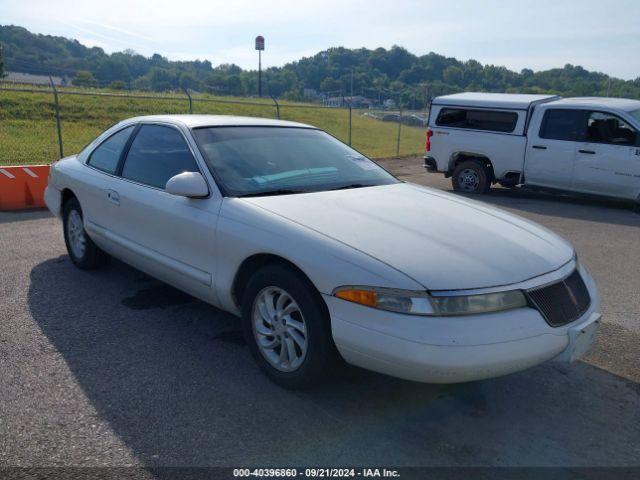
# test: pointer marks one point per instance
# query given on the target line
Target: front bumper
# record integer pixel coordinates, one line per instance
(457, 349)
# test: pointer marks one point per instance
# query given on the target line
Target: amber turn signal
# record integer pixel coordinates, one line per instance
(363, 297)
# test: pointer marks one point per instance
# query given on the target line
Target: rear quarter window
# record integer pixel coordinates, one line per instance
(107, 155)
(478, 119)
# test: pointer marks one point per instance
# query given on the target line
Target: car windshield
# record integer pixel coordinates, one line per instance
(635, 114)
(254, 161)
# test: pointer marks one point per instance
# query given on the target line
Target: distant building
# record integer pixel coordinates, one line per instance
(19, 77)
(310, 93)
(357, 101)
(389, 103)
(334, 102)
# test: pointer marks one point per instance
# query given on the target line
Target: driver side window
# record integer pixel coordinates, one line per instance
(157, 153)
(606, 128)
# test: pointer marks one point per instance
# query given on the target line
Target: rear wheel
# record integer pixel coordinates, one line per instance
(470, 177)
(287, 327)
(83, 252)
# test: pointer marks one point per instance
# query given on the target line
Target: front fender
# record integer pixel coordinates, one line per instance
(245, 230)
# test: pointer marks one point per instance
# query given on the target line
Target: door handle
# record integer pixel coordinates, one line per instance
(540, 147)
(590, 152)
(113, 197)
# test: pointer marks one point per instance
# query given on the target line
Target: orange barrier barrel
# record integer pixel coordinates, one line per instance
(23, 187)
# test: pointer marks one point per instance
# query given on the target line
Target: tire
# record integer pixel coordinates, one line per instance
(306, 328)
(83, 252)
(470, 176)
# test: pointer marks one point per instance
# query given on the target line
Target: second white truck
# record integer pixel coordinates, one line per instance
(585, 145)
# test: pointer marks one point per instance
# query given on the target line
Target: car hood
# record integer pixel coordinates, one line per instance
(442, 241)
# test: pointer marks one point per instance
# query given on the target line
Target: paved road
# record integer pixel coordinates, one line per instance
(113, 368)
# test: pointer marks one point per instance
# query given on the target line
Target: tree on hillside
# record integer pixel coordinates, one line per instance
(118, 85)
(330, 85)
(453, 75)
(1, 63)
(84, 79)
(371, 72)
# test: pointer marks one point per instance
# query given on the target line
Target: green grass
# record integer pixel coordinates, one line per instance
(28, 132)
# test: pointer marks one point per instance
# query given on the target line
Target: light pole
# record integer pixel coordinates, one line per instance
(260, 48)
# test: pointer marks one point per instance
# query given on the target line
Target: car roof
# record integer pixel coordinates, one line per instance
(516, 101)
(195, 121)
(625, 104)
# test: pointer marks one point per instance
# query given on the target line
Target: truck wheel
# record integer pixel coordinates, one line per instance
(470, 177)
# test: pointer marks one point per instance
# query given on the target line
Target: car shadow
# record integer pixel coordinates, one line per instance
(173, 379)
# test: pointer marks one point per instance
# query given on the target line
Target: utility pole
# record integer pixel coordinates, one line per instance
(259, 48)
(260, 73)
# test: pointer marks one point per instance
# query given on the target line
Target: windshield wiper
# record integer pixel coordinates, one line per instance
(353, 185)
(268, 193)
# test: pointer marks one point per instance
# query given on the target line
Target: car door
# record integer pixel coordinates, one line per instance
(608, 162)
(95, 185)
(169, 236)
(551, 151)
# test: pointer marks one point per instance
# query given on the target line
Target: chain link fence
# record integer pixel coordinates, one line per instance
(39, 124)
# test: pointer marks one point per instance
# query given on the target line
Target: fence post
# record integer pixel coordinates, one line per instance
(349, 105)
(189, 97)
(57, 110)
(399, 130)
(277, 106)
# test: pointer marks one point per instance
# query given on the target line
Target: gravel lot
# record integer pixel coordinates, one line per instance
(114, 368)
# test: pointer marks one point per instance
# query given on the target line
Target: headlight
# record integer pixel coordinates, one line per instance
(483, 303)
(422, 303)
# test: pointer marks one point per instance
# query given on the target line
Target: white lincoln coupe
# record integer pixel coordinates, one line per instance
(322, 253)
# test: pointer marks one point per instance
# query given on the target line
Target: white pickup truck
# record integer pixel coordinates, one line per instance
(586, 145)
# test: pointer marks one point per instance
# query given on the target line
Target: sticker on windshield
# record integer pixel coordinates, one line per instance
(362, 162)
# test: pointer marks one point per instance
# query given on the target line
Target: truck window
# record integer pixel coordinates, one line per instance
(606, 128)
(489, 120)
(564, 124)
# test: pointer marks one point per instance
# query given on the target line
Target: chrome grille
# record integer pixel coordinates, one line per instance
(562, 302)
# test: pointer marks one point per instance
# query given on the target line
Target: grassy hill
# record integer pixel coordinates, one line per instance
(378, 74)
(29, 136)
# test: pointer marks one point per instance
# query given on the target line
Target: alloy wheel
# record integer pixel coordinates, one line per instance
(75, 234)
(279, 329)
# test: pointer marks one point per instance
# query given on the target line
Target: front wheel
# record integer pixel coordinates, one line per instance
(470, 177)
(287, 327)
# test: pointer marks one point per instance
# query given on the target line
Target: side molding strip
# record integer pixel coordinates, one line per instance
(188, 271)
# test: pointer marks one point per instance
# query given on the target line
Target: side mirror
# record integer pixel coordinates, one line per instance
(188, 184)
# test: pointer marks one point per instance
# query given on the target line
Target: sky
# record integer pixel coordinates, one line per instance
(541, 34)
